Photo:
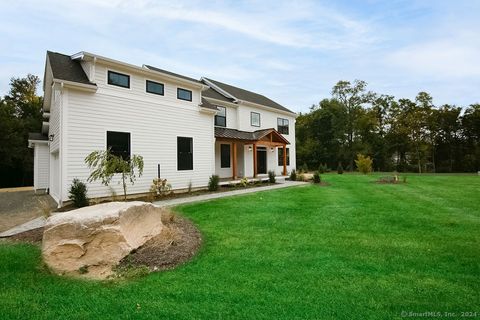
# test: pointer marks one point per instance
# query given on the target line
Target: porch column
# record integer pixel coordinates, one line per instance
(234, 165)
(254, 160)
(284, 159)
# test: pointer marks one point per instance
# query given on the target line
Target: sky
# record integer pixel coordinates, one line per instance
(292, 52)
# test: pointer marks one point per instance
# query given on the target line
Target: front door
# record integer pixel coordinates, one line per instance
(261, 160)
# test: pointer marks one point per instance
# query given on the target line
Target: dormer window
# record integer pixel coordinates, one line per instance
(118, 79)
(221, 117)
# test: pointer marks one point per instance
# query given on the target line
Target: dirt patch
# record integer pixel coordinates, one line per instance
(176, 244)
(32, 236)
(391, 180)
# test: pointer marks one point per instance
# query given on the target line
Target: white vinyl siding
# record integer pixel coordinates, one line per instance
(153, 121)
(41, 167)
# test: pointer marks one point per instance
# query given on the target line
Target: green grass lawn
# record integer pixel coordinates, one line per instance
(353, 250)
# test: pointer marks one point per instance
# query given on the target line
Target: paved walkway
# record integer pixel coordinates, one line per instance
(40, 222)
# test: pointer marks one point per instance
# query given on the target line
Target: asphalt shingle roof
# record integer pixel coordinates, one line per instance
(172, 74)
(210, 93)
(249, 96)
(208, 105)
(228, 133)
(64, 68)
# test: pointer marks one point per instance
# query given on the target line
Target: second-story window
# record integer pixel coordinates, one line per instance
(282, 125)
(221, 117)
(184, 94)
(118, 79)
(255, 119)
(154, 87)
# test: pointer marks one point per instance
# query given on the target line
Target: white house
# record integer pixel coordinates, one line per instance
(185, 129)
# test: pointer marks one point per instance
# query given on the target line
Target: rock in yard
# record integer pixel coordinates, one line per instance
(92, 240)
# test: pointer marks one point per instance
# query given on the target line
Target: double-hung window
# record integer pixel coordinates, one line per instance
(280, 156)
(282, 125)
(221, 117)
(255, 119)
(184, 153)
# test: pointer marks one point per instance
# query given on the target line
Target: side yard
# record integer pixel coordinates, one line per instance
(352, 249)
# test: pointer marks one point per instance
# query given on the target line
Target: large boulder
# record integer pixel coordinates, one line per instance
(92, 240)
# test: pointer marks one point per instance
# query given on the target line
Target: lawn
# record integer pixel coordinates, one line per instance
(352, 250)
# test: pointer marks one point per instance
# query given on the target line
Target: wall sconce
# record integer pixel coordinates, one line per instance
(272, 149)
(249, 148)
(50, 137)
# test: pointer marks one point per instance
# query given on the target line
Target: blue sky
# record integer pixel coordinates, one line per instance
(292, 51)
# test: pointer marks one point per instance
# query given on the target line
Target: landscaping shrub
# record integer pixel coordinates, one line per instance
(271, 176)
(244, 182)
(293, 175)
(160, 187)
(78, 193)
(304, 168)
(316, 177)
(301, 177)
(322, 168)
(340, 168)
(364, 163)
(213, 183)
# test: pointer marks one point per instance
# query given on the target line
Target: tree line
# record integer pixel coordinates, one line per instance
(398, 134)
(20, 113)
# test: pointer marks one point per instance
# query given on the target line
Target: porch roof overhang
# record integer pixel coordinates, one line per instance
(265, 136)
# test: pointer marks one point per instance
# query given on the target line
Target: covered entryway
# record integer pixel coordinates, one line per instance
(251, 153)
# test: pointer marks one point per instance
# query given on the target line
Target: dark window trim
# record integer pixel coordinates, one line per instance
(154, 82)
(225, 117)
(178, 94)
(287, 126)
(178, 153)
(259, 119)
(229, 155)
(280, 160)
(118, 73)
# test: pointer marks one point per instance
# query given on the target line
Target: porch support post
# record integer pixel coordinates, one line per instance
(234, 160)
(254, 160)
(284, 159)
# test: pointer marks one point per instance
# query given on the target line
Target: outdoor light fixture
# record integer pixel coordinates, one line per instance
(50, 137)
(271, 149)
(249, 148)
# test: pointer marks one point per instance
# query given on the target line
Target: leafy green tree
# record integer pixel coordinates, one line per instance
(105, 165)
(20, 113)
(352, 96)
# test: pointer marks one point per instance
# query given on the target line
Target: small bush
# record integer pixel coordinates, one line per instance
(316, 177)
(340, 168)
(271, 176)
(364, 163)
(160, 187)
(244, 182)
(78, 193)
(322, 168)
(213, 183)
(293, 175)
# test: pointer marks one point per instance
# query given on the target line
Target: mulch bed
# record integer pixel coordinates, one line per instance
(176, 244)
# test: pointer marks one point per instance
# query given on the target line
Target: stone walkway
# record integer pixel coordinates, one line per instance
(40, 222)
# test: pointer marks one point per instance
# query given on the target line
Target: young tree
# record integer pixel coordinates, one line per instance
(364, 163)
(105, 165)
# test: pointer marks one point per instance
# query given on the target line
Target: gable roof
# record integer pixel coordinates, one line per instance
(242, 94)
(171, 73)
(208, 105)
(210, 93)
(64, 68)
(235, 134)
